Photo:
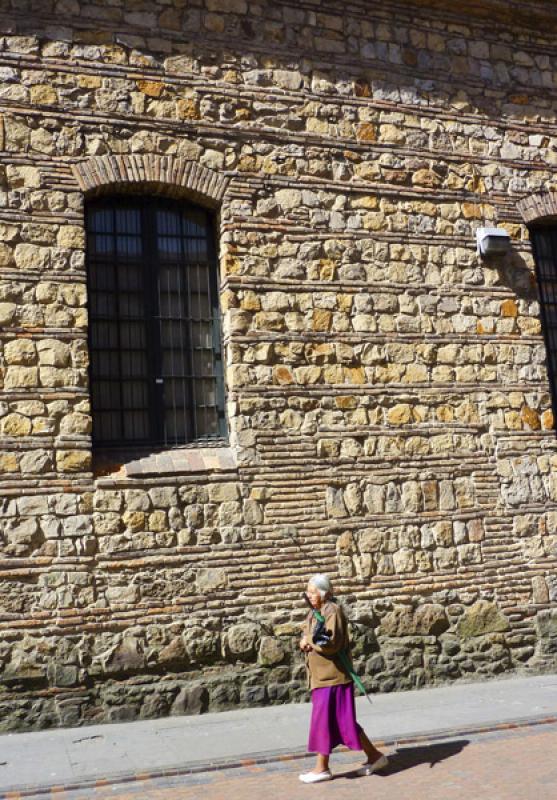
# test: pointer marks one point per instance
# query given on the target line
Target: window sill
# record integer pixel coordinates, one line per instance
(114, 465)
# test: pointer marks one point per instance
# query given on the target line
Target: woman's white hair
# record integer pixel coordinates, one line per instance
(323, 584)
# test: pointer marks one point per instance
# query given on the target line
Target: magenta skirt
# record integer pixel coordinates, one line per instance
(333, 719)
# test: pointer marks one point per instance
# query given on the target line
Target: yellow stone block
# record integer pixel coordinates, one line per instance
(247, 164)
(321, 320)
(471, 211)
(401, 414)
(7, 312)
(445, 414)
(531, 418)
(89, 82)
(358, 417)
(326, 269)
(374, 222)
(344, 302)
(367, 132)
(485, 326)
(307, 375)
(442, 373)
(134, 520)
(15, 425)
(369, 201)
(467, 412)
(21, 377)
(547, 420)
(509, 308)
(427, 209)
(318, 353)
(354, 375)
(157, 521)
(250, 301)
(283, 376)
(8, 463)
(390, 373)
(346, 401)
(20, 351)
(269, 166)
(72, 236)
(362, 88)
(319, 126)
(228, 299)
(73, 461)
(392, 134)
(427, 178)
(531, 326)
(232, 265)
(513, 420)
(151, 88)
(43, 95)
(187, 109)
(415, 373)
(333, 374)
(367, 171)
(114, 54)
(420, 413)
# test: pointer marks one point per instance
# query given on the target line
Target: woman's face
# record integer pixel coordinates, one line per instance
(314, 596)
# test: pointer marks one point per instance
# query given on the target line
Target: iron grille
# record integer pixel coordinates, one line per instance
(544, 244)
(156, 359)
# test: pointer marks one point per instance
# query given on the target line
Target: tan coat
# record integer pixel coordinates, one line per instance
(322, 666)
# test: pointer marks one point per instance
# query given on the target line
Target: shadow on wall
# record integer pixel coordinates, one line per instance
(515, 274)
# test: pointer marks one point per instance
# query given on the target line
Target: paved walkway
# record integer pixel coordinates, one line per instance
(75, 757)
(513, 764)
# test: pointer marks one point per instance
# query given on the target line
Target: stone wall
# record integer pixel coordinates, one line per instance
(387, 395)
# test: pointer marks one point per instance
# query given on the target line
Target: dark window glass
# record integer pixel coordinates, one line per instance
(544, 243)
(154, 333)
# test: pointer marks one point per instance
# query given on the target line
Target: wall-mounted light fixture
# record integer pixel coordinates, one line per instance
(493, 241)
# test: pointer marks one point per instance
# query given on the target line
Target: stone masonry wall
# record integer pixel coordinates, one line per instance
(387, 395)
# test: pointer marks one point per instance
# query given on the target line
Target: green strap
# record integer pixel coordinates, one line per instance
(345, 661)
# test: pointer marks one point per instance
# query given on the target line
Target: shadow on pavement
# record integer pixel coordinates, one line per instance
(408, 757)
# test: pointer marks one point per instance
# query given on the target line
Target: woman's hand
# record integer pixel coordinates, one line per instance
(305, 646)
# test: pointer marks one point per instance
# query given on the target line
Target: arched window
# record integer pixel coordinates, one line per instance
(154, 334)
(544, 245)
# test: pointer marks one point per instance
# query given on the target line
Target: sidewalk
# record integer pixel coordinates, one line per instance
(80, 756)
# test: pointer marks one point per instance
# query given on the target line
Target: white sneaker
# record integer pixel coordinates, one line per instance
(369, 769)
(316, 777)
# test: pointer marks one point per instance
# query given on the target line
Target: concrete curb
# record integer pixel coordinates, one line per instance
(267, 758)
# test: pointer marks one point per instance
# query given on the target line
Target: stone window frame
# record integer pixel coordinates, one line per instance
(177, 178)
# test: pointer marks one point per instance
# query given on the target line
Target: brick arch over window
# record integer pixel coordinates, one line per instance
(174, 177)
(537, 207)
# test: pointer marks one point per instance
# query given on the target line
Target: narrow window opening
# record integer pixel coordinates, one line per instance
(156, 371)
(544, 244)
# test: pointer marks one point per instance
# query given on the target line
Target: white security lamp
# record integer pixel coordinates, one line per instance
(493, 241)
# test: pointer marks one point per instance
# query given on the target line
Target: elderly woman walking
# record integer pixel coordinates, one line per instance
(333, 718)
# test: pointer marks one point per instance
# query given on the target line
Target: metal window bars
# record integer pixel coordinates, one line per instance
(544, 245)
(156, 371)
